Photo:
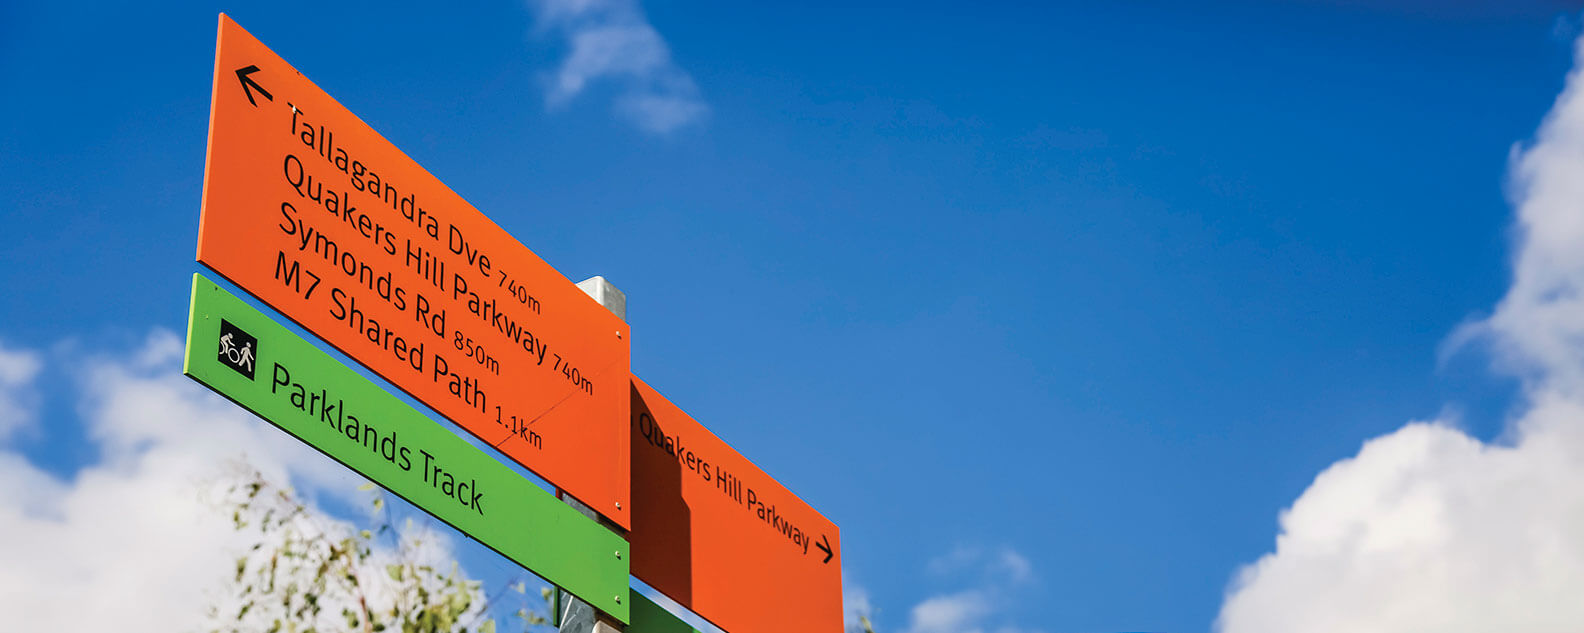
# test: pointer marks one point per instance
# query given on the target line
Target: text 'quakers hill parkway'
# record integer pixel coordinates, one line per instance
(676, 446)
(714, 532)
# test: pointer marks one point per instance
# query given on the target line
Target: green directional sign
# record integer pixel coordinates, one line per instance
(648, 617)
(246, 356)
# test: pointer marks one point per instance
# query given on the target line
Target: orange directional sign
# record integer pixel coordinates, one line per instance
(719, 536)
(308, 208)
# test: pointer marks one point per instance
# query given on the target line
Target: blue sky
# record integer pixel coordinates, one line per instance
(1052, 308)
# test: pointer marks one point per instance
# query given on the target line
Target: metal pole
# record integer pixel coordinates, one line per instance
(574, 615)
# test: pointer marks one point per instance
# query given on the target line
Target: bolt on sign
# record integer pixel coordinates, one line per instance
(716, 534)
(246, 356)
(309, 209)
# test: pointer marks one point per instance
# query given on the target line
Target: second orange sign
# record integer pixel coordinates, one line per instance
(715, 533)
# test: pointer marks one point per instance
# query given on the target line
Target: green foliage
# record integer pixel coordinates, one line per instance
(308, 573)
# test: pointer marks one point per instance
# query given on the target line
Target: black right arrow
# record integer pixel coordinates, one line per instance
(824, 544)
(242, 76)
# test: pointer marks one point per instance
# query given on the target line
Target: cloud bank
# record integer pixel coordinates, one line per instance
(130, 535)
(611, 41)
(1429, 529)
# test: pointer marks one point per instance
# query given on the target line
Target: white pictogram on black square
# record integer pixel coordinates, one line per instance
(237, 349)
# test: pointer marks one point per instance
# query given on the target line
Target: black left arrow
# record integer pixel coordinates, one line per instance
(824, 544)
(248, 85)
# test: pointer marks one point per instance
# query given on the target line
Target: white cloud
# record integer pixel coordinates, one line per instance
(959, 612)
(130, 536)
(994, 565)
(661, 113)
(991, 578)
(1428, 529)
(18, 402)
(611, 40)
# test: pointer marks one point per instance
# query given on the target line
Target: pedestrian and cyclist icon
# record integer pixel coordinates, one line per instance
(237, 348)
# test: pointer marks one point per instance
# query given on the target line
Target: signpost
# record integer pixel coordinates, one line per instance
(312, 211)
(244, 355)
(715, 533)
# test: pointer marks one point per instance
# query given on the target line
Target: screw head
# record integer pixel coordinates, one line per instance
(618, 505)
(618, 599)
(618, 555)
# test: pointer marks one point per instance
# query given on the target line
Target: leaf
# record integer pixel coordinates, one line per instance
(487, 627)
(366, 487)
